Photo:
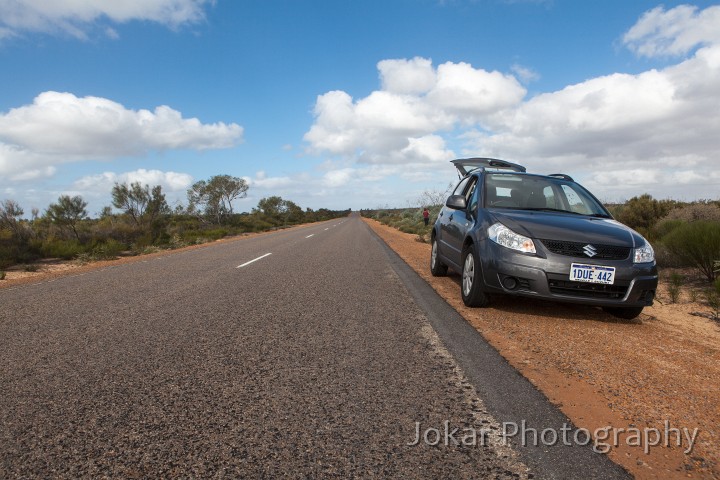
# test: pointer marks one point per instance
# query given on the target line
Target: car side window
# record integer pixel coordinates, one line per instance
(472, 196)
(470, 189)
(461, 186)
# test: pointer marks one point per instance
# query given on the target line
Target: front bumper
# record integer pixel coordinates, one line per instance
(548, 277)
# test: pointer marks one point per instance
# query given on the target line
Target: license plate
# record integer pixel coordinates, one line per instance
(580, 272)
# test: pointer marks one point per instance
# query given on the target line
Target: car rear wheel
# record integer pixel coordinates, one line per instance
(627, 313)
(436, 266)
(471, 285)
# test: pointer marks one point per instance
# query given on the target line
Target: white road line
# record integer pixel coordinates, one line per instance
(252, 261)
(311, 235)
(327, 229)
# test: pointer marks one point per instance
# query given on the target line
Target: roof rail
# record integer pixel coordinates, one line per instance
(462, 163)
(563, 176)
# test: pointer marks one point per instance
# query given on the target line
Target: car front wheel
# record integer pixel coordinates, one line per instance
(436, 266)
(471, 285)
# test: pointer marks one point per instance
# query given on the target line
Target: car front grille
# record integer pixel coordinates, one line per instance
(577, 249)
(588, 290)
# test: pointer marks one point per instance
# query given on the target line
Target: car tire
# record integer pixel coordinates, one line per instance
(471, 282)
(626, 313)
(436, 266)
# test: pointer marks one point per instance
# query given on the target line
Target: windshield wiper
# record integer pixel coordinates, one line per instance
(548, 209)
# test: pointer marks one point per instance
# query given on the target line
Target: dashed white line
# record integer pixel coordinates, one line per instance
(252, 261)
(311, 235)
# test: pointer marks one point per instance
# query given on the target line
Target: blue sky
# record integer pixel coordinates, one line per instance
(360, 104)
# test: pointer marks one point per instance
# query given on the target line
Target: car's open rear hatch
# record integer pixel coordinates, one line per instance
(465, 165)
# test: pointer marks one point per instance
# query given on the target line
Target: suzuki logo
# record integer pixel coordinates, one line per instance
(589, 250)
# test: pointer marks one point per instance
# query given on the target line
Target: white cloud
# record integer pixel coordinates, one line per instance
(76, 17)
(673, 32)
(428, 149)
(381, 122)
(60, 128)
(402, 76)
(102, 183)
(525, 74)
(472, 93)
(338, 178)
(398, 123)
(636, 176)
(263, 181)
(655, 122)
(688, 177)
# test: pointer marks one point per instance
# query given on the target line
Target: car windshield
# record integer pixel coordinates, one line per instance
(530, 192)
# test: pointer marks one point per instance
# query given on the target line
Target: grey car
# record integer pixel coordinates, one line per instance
(510, 232)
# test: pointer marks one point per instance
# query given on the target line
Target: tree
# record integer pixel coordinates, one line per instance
(272, 207)
(67, 212)
(157, 205)
(139, 202)
(280, 210)
(216, 195)
(643, 212)
(106, 212)
(10, 213)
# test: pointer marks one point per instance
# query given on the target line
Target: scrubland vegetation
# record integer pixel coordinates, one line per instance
(140, 221)
(685, 236)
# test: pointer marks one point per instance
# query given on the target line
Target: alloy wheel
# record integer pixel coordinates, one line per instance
(468, 274)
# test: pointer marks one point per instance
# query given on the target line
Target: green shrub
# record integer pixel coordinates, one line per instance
(409, 214)
(260, 226)
(216, 233)
(108, 250)
(2, 275)
(8, 255)
(177, 242)
(713, 299)
(65, 249)
(697, 243)
(676, 281)
(665, 226)
(643, 212)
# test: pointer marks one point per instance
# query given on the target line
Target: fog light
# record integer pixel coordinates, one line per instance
(510, 283)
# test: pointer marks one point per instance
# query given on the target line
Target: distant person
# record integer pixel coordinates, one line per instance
(426, 216)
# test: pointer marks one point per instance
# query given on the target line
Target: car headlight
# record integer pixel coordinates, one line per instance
(502, 235)
(644, 254)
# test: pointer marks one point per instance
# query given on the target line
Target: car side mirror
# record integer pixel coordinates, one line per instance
(456, 202)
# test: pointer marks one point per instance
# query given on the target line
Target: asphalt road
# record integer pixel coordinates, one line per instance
(306, 353)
